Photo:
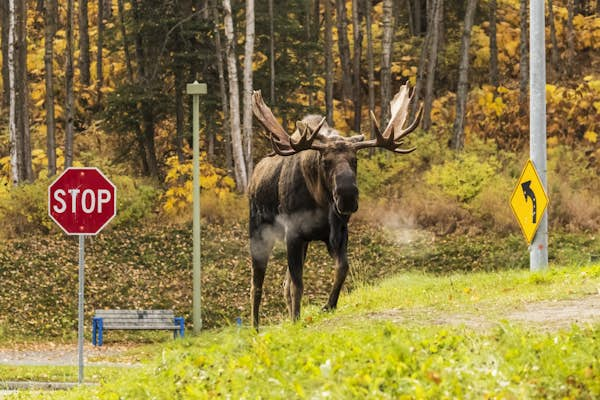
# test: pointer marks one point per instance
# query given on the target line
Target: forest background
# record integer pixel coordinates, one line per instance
(102, 83)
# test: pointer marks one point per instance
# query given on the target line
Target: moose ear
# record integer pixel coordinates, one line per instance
(356, 138)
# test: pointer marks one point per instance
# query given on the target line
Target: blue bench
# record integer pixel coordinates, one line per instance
(135, 320)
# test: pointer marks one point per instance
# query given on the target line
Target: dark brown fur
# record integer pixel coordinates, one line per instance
(302, 198)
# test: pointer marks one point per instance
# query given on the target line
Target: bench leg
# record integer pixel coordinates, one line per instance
(100, 331)
(94, 331)
(179, 321)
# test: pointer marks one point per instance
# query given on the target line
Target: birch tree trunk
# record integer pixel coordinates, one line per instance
(84, 43)
(248, 87)
(437, 10)
(49, 32)
(524, 54)
(386, 61)
(12, 101)
(356, 84)
(69, 88)
(344, 49)
(241, 178)
(328, 65)
(458, 139)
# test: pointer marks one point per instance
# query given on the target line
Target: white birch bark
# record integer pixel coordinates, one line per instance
(241, 178)
(248, 53)
(12, 118)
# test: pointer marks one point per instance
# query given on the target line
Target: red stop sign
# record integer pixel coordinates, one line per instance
(82, 201)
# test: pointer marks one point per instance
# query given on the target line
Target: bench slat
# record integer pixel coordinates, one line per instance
(141, 327)
(134, 312)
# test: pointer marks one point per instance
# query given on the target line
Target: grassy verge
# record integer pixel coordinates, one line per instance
(349, 354)
(58, 373)
(150, 267)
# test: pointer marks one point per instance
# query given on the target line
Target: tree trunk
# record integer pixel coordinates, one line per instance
(356, 84)
(49, 32)
(328, 65)
(524, 50)
(344, 49)
(121, 9)
(241, 178)
(493, 44)
(371, 66)
(570, 38)
(179, 114)
(69, 88)
(148, 137)
(100, 45)
(422, 63)
(84, 44)
(386, 61)
(107, 9)
(22, 89)
(5, 78)
(271, 53)
(554, 56)
(431, 66)
(223, 91)
(12, 79)
(458, 140)
(247, 117)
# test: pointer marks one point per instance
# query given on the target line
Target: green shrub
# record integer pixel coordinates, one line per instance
(136, 200)
(24, 210)
(464, 176)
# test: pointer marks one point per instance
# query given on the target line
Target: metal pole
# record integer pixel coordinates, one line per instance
(196, 89)
(538, 250)
(80, 324)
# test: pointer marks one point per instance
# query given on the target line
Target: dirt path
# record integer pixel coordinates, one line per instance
(545, 315)
(64, 355)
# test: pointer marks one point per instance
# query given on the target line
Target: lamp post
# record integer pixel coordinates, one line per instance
(196, 89)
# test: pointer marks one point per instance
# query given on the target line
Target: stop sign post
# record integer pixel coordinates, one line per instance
(82, 201)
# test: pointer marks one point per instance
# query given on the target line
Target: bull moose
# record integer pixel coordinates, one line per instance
(306, 191)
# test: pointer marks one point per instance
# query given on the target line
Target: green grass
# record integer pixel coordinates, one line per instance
(58, 373)
(352, 354)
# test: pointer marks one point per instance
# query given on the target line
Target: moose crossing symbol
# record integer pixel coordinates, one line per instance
(529, 201)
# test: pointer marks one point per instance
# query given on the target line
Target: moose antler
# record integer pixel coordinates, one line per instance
(281, 142)
(391, 137)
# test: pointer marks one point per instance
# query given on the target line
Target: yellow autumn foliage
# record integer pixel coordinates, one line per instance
(177, 199)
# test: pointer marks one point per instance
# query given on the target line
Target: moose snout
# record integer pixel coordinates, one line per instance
(346, 194)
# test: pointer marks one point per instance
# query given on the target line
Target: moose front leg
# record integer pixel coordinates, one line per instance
(287, 284)
(296, 251)
(340, 254)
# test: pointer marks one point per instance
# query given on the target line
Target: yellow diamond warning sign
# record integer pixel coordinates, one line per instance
(529, 201)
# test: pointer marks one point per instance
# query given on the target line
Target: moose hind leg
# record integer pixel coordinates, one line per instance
(260, 250)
